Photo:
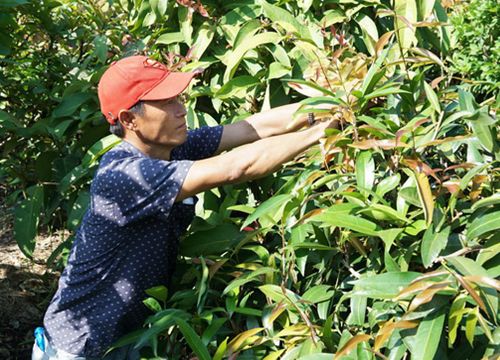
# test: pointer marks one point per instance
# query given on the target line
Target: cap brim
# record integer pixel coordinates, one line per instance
(173, 84)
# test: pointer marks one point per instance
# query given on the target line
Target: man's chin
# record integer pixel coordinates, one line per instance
(180, 140)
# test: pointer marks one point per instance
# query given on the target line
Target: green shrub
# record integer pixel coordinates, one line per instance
(476, 53)
(382, 240)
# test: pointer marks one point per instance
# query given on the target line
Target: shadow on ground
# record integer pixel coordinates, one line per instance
(24, 296)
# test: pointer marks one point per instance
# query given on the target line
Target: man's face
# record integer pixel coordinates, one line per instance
(163, 122)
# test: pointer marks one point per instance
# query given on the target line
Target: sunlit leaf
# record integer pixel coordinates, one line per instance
(406, 11)
(384, 286)
(433, 243)
(241, 338)
(425, 195)
(483, 224)
(428, 335)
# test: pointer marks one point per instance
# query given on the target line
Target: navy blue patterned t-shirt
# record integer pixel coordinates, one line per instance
(127, 243)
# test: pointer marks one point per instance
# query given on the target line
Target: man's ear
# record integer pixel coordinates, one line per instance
(127, 119)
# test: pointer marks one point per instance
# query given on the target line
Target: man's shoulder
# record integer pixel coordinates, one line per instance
(114, 164)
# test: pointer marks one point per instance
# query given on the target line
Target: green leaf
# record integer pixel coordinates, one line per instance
(369, 29)
(246, 278)
(128, 339)
(466, 266)
(99, 148)
(12, 3)
(90, 158)
(277, 70)
(428, 335)
(276, 294)
(202, 41)
(387, 184)
(470, 326)
(490, 200)
(78, 210)
(352, 222)
(221, 350)
(159, 322)
(8, 122)
(286, 20)
(358, 310)
(237, 87)
(383, 286)
(26, 218)
(246, 31)
(101, 48)
(432, 97)
(269, 206)
(433, 243)
(318, 293)
(384, 92)
(294, 83)
(470, 174)
(61, 128)
(185, 23)
(375, 73)
(383, 212)
(332, 16)
(162, 7)
(213, 241)
(483, 224)
(159, 292)
(70, 178)
(455, 316)
(170, 38)
(235, 57)
(485, 135)
(425, 8)
(406, 9)
(311, 245)
(365, 172)
(193, 340)
(70, 103)
(152, 304)
(212, 329)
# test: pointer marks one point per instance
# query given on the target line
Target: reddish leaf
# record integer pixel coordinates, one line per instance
(355, 340)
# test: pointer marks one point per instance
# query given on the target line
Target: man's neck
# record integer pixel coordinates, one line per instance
(152, 150)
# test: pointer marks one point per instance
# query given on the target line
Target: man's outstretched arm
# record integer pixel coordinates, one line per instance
(260, 126)
(249, 161)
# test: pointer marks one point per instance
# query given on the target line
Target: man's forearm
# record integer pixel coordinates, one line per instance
(267, 155)
(275, 121)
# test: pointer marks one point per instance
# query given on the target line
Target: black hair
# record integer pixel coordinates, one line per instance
(117, 128)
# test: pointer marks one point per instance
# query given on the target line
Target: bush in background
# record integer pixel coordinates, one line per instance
(476, 51)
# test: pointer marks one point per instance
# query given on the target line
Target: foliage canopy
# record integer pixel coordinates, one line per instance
(380, 242)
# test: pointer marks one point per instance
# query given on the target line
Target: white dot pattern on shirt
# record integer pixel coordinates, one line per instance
(127, 242)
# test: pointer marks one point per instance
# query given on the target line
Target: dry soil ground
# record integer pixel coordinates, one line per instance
(26, 287)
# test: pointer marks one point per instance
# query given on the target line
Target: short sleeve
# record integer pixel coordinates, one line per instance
(201, 143)
(138, 187)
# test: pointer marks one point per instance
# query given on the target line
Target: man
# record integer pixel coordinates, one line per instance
(142, 201)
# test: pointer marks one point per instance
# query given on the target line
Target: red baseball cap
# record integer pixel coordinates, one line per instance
(136, 78)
